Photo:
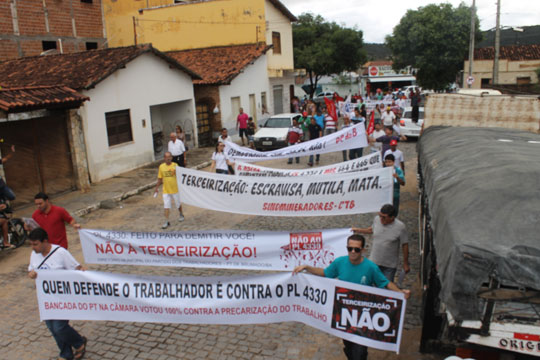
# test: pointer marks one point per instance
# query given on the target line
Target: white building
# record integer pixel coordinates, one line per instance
(134, 91)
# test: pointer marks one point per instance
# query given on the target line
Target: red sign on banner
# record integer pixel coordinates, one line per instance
(306, 241)
(373, 71)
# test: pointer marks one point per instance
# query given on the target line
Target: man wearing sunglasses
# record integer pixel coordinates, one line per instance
(389, 234)
(357, 269)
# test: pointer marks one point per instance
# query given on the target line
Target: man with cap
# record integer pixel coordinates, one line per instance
(388, 117)
(398, 155)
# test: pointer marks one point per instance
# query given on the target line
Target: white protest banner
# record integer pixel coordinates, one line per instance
(362, 314)
(349, 138)
(372, 161)
(225, 249)
(317, 195)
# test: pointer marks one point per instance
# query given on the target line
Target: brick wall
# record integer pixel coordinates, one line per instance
(32, 22)
(7, 47)
(6, 25)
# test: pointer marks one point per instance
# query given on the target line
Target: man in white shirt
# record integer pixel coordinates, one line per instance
(388, 117)
(377, 133)
(224, 136)
(46, 256)
(177, 149)
(398, 155)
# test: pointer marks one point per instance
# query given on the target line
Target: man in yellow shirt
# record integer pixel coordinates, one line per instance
(167, 177)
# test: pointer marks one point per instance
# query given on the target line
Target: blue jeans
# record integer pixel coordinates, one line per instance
(317, 157)
(388, 273)
(66, 337)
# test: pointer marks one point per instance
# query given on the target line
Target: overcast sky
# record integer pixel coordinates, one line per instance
(377, 18)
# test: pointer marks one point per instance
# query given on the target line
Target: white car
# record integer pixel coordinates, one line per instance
(409, 128)
(319, 98)
(273, 134)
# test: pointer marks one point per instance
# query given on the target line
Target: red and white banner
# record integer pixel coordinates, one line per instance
(372, 161)
(349, 138)
(317, 195)
(225, 249)
(365, 315)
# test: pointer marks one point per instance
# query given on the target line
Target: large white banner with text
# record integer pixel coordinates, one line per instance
(317, 195)
(226, 249)
(349, 138)
(362, 314)
(372, 161)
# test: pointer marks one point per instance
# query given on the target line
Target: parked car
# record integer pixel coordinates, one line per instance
(407, 126)
(319, 98)
(273, 133)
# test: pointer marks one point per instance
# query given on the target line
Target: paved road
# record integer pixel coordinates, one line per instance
(24, 337)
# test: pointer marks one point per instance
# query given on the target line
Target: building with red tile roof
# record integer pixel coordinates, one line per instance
(517, 65)
(97, 113)
(228, 74)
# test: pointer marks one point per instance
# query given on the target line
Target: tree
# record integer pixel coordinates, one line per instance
(435, 40)
(325, 48)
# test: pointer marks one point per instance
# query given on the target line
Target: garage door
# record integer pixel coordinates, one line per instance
(42, 161)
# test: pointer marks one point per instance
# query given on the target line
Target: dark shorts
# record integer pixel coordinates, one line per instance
(221, 171)
(179, 160)
(243, 132)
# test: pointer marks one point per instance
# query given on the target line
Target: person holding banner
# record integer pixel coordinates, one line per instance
(388, 234)
(315, 132)
(357, 269)
(46, 256)
(220, 160)
(346, 124)
(167, 177)
(358, 118)
(294, 136)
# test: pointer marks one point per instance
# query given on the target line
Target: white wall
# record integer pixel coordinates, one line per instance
(253, 80)
(145, 81)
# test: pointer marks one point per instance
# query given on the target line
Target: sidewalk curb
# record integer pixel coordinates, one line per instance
(96, 206)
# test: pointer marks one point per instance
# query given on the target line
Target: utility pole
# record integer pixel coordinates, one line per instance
(471, 40)
(495, 78)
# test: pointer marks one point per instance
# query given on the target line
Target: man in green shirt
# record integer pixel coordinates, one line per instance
(357, 269)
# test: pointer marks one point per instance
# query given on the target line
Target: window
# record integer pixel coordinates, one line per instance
(526, 80)
(276, 41)
(485, 83)
(118, 127)
(48, 45)
(86, 1)
(91, 45)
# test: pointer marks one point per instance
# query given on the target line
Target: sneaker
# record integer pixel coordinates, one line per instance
(181, 218)
(310, 164)
(165, 225)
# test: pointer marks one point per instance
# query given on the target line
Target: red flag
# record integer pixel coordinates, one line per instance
(331, 108)
(371, 125)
